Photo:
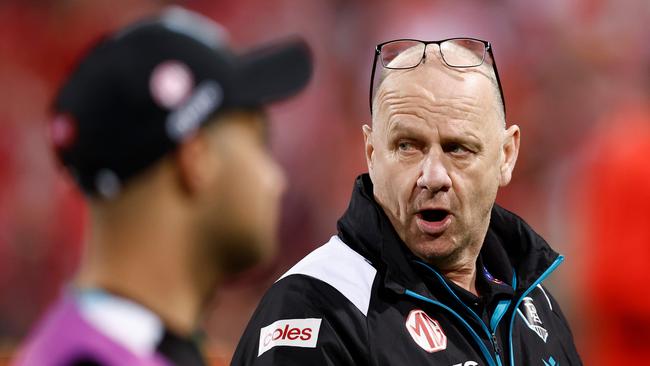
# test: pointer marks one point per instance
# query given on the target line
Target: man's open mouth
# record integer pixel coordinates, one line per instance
(433, 215)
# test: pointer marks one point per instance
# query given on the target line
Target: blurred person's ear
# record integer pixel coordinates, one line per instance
(509, 153)
(197, 164)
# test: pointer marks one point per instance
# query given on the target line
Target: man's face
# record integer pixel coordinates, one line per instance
(437, 153)
(241, 210)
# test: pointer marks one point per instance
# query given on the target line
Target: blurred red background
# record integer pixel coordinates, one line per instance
(576, 78)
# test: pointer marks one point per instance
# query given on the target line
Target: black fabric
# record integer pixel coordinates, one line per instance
(84, 362)
(180, 351)
(404, 286)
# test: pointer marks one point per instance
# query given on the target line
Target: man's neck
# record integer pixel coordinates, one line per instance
(177, 310)
(462, 270)
(145, 262)
(465, 278)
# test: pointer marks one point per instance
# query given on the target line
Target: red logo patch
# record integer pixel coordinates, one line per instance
(289, 333)
(426, 332)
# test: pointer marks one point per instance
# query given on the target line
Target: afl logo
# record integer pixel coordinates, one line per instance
(426, 332)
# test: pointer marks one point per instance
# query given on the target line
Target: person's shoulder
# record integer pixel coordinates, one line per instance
(65, 338)
(56, 339)
(330, 276)
(305, 315)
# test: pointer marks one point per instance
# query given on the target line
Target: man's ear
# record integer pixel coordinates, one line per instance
(197, 163)
(509, 153)
(369, 149)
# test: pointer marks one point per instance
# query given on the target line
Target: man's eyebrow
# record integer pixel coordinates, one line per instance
(462, 137)
(461, 134)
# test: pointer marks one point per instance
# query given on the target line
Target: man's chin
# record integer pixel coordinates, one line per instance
(435, 250)
(237, 257)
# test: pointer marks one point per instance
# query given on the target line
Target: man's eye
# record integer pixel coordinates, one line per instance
(405, 146)
(456, 149)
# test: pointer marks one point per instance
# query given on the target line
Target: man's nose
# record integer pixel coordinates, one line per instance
(434, 175)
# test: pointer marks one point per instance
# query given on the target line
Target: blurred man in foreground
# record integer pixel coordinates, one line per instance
(162, 128)
(425, 269)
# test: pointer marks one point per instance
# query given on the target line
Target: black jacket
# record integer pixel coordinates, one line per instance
(364, 299)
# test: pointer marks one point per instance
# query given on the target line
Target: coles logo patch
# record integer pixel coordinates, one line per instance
(289, 332)
(426, 332)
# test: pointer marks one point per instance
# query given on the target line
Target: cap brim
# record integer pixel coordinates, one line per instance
(272, 73)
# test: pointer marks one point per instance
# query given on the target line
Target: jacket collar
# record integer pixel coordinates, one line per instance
(510, 246)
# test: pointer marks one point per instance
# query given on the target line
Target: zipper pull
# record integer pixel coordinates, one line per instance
(496, 349)
(495, 344)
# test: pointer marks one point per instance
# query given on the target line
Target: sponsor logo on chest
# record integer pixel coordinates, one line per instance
(426, 332)
(289, 332)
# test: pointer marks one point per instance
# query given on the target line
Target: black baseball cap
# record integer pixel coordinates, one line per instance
(140, 91)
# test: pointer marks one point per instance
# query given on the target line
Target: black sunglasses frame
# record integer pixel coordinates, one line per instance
(488, 49)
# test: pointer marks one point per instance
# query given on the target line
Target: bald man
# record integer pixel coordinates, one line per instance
(425, 268)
